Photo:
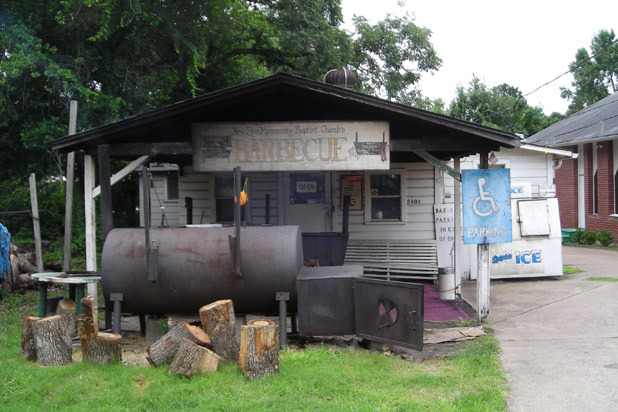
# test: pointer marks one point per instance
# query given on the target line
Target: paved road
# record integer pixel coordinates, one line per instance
(559, 337)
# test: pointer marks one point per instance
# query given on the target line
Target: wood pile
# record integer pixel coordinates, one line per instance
(191, 350)
(186, 348)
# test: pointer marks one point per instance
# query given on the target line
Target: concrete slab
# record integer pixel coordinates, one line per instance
(559, 337)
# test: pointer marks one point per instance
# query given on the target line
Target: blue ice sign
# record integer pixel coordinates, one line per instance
(486, 203)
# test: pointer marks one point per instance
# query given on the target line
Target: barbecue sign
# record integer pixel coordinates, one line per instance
(291, 146)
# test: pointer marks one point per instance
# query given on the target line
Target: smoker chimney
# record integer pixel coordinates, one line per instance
(341, 77)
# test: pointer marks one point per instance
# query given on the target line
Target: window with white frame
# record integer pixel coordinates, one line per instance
(385, 197)
(224, 199)
(171, 186)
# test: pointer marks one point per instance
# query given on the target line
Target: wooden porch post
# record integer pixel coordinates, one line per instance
(458, 232)
(90, 221)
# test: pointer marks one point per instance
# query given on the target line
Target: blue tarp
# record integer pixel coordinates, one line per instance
(5, 244)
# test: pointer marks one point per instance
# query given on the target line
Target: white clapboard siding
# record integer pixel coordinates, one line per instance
(157, 199)
(526, 167)
(394, 259)
(260, 185)
(418, 198)
(197, 186)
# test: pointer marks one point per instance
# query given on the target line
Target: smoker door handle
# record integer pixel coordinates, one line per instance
(413, 320)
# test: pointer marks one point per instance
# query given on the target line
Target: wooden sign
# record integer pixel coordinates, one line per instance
(291, 146)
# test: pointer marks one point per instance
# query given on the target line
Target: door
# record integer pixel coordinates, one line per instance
(389, 312)
(307, 200)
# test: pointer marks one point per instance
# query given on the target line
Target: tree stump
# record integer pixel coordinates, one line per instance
(164, 349)
(191, 358)
(91, 311)
(27, 349)
(259, 349)
(53, 344)
(219, 323)
(87, 324)
(67, 307)
(105, 348)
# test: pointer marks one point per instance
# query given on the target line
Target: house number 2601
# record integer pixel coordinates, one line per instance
(410, 202)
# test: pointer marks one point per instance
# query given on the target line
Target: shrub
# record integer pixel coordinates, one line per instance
(605, 237)
(578, 235)
(588, 238)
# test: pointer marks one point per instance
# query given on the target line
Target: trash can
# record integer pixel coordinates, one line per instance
(567, 236)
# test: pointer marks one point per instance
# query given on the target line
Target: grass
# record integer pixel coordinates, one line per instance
(568, 270)
(603, 279)
(321, 378)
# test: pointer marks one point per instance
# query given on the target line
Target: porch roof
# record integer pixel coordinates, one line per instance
(166, 132)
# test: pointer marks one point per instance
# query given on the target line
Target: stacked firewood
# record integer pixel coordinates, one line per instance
(192, 349)
(22, 266)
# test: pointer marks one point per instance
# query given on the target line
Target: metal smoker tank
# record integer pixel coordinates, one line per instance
(196, 267)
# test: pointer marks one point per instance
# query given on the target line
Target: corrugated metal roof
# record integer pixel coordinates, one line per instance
(596, 122)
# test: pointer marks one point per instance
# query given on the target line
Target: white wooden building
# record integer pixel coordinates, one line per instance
(301, 144)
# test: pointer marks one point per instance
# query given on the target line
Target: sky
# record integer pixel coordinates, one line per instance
(522, 43)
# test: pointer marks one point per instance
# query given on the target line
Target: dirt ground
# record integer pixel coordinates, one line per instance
(134, 345)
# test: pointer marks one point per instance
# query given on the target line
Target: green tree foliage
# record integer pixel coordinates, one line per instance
(502, 107)
(595, 74)
(391, 56)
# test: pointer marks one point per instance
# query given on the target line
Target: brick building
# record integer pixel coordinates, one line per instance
(587, 188)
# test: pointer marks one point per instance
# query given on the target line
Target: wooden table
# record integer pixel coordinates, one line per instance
(76, 287)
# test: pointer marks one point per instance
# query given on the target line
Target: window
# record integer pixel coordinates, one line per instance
(171, 187)
(307, 188)
(224, 199)
(385, 196)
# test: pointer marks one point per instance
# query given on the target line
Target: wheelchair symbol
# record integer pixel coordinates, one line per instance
(484, 197)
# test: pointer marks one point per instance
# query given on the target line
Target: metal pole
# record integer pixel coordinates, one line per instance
(283, 297)
(482, 280)
(146, 206)
(237, 179)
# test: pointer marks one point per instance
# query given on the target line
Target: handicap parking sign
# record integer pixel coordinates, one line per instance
(486, 203)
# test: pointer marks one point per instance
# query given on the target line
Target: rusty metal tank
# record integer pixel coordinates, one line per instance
(196, 267)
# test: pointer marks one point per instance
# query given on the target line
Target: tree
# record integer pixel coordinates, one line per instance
(391, 57)
(595, 74)
(502, 107)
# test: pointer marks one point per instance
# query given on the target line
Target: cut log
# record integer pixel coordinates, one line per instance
(27, 349)
(24, 264)
(67, 307)
(259, 348)
(191, 358)
(87, 324)
(219, 323)
(53, 344)
(91, 312)
(105, 348)
(165, 348)
(25, 281)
